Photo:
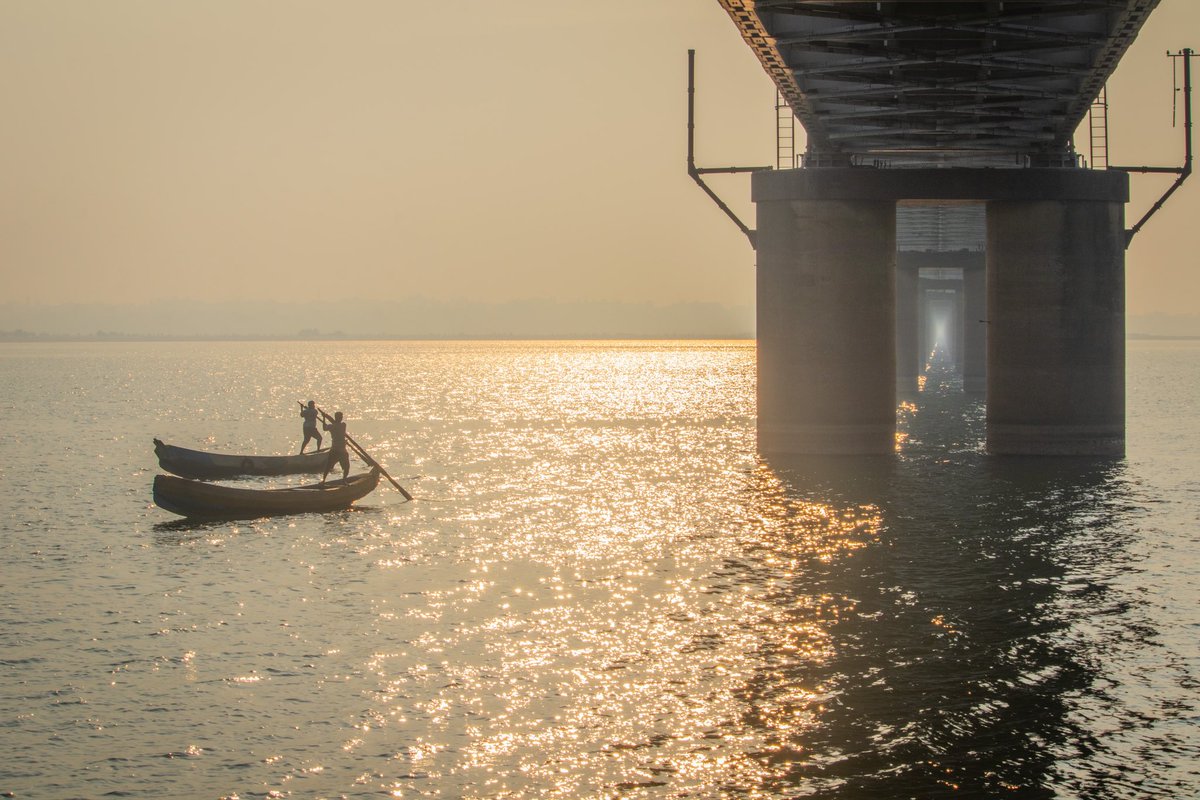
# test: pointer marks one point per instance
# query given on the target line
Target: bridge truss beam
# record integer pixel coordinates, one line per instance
(916, 83)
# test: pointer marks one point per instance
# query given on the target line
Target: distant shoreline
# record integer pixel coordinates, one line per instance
(23, 337)
(1149, 336)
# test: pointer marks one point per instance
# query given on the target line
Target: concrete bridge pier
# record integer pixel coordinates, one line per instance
(1056, 332)
(826, 326)
(975, 326)
(909, 363)
(827, 293)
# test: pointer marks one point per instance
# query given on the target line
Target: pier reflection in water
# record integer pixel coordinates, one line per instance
(952, 621)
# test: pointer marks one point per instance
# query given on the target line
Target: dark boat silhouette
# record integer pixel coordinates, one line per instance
(213, 466)
(201, 500)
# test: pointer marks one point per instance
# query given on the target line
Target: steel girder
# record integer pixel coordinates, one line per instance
(921, 82)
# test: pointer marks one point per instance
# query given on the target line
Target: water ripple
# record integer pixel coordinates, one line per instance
(600, 591)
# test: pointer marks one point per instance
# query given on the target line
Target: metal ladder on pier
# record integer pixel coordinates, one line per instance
(785, 134)
(1098, 126)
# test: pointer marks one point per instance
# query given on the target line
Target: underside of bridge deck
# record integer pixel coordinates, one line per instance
(908, 82)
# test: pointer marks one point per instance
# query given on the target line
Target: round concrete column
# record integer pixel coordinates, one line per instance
(975, 325)
(826, 326)
(1056, 333)
(909, 361)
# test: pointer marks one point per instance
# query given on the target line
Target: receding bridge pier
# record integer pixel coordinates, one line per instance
(941, 299)
(828, 285)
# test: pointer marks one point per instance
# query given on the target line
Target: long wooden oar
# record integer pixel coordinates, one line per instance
(363, 455)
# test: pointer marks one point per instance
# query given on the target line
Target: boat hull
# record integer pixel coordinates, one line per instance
(200, 500)
(215, 466)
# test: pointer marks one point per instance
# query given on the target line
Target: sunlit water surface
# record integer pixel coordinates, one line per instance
(601, 590)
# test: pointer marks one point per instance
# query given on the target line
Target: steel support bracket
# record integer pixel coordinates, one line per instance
(696, 172)
(1187, 54)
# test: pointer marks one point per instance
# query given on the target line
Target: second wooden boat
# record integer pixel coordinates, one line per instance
(214, 466)
(201, 500)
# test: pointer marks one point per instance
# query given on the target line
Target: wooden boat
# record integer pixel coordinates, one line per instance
(198, 499)
(212, 466)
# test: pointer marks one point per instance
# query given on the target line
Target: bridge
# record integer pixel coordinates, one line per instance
(941, 181)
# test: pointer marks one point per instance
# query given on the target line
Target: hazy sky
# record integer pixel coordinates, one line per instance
(478, 150)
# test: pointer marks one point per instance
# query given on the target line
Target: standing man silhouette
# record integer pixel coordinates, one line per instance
(337, 446)
(309, 413)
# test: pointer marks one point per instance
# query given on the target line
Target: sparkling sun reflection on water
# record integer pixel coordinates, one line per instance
(620, 654)
(600, 591)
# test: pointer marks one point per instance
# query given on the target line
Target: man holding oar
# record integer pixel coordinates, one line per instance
(341, 439)
(309, 414)
(337, 446)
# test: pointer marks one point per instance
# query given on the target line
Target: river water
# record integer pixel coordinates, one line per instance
(600, 590)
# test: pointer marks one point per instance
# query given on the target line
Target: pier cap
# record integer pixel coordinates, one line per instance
(869, 183)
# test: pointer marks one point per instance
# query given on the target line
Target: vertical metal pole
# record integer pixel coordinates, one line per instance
(1187, 110)
(691, 110)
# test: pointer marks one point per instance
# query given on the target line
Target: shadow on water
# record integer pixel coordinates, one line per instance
(938, 609)
(183, 529)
